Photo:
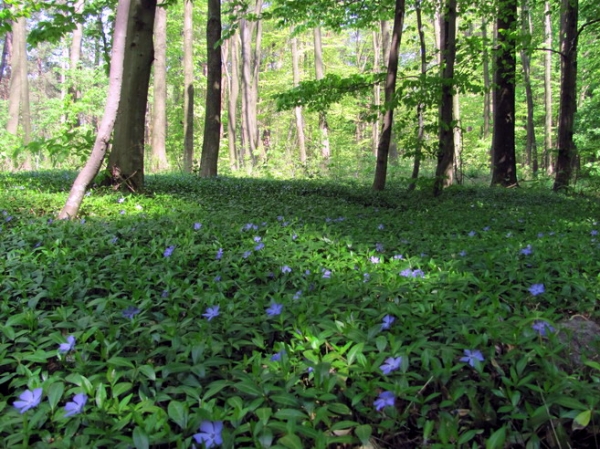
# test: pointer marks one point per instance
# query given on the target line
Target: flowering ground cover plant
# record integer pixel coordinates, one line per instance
(250, 313)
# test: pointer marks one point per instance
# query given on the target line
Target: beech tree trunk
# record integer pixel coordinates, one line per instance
(389, 91)
(568, 99)
(320, 74)
(188, 87)
(159, 110)
(504, 168)
(445, 158)
(531, 146)
(548, 129)
(487, 85)
(126, 159)
(298, 109)
(376, 93)
(236, 159)
(212, 121)
(92, 166)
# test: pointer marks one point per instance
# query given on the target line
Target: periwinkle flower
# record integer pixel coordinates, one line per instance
(28, 399)
(398, 257)
(298, 295)
(537, 289)
(463, 253)
(211, 312)
(169, 251)
(68, 346)
(121, 200)
(385, 399)
(197, 226)
(391, 364)
(247, 254)
(381, 227)
(387, 322)
(326, 274)
(277, 356)
(219, 254)
(164, 294)
(274, 309)
(472, 234)
(471, 356)
(418, 273)
(259, 246)
(76, 405)
(527, 250)
(217, 278)
(286, 269)
(210, 434)
(379, 247)
(257, 239)
(542, 327)
(406, 273)
(375, 259)
(366, 277)
(593, 232)
(130, 312)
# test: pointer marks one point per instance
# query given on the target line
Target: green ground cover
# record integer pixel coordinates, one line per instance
(295, 314)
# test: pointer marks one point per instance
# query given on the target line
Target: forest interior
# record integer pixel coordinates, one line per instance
(300, 224)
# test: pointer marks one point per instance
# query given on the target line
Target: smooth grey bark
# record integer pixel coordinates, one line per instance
(487, 85)
(320, 74)
(458, 141)
(383, 148)
(445, 157)
(376, 92)
(14, 94)
(5, 59)
(75, 56)
(126, 159)
(504, 168)
(212, 121)
(159, 159)
(236, 159)
(298, 109)
(548, 128)
(188, 87)
(92, 166)
(531, 146)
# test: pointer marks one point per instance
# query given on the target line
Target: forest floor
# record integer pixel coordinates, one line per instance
(288, 314)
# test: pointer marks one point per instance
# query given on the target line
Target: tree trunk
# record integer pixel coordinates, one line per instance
(188, 87)
(548, 131)
(298, 109)
(92, 166)
(376, 93)
(568, 98)
(250, 128)
(320, 74)
(212, 121)
(389, 91)
(504, 168)
(5, 61)
(458, 141)
(487, 88)
(236, 159)
(159, 111)
(75, 56)
(126, 159)
(14, 96)
(531, 147)
(445, 158)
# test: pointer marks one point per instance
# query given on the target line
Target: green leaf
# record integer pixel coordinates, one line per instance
(289, 414)
(249, 388)
(364, 434)
(582, 420)
(148, 371)
(55, 392)
(291, 441)
(496, 440)
(178, 413)
(340, 409)
(140, 439)
(120, 361)
(356, 349)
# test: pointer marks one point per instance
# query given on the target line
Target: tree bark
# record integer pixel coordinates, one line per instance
(320, 74)
(568, 99)
(92, 166)
(212, 122)
(14, 95)
(548, 130)
(126, 159)
(445, 157)
(389, 92)
(376, 93)
(236, 158)
(531, 146)
(75, 56)
(487, 88)
(298, 109)
(504, 168)
(188, 87)
(250, 128)
(159, 111)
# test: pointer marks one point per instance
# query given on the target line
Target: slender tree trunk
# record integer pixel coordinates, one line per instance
(92, 166)
(548, 130)
(14, 96)
(458, 141)
(298, 109)
(5, 60)
(504, 171)
(444, 173)
(421, 105)
(159, 112)
(389, 92)
(376, 93)
(531, 147)
(188, 86)
(236, 159)
(126, 159)
(212, 121)
(256, 59)
(487, 85)
(250, 130)
(74, 57)
(568, 97)
(320, 74)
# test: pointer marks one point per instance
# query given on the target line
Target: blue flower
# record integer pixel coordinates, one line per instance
(298, 295)
(542, 327)
(398, 257)
(257, 239)
(391, 364)
(211, 312)
(472, 356)
(28, 399)
(164, 294)
(593, 232)
(130, 312)
(463, 253)
(247, 254)
(375, 259)
(219, 254)
(259, 246)
(121, 200)
(76, 406)
(379, 247)
(210, 434)
(380, 227)
(277, 356)
(197, 226)
(274, 309)
(406, 273)
(326, 274)
(68, 346)
(527, 250)
(385, 399)
(169, 251)
(387, 322)
(472, 234)
(537, 289)
(286, 269)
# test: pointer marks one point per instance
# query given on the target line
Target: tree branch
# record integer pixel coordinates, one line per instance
(550, 50)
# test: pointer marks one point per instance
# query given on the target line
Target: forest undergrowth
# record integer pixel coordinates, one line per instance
(297, 314)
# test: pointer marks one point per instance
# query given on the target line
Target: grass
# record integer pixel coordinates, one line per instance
(135, 280)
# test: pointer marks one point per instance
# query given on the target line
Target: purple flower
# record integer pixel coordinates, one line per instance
(406, 273)
(68, 346)
(286, 269)
(122, 212)
(398, 257)
(472, 356)
(246, 254)
(487, 228)
(277, 356)
(169, 251)
(76, 406)
(379, 247)
(130, 312)
(219, 254)
(391, 364)
(326, 274)
(387, 322)
(28, 399)
(257, 239)
(593, 232)
(537, 289)
(211, 312)
(274, 309)
(121, 200)
(298, 294)
(463, 253)
(380, 227)
(375, 259)
(217, 278)
(542, 327)
(527, 250)
(418, 273)
(366, 277)
(114, 240)
(197, 226)
(210, 434)
(385, 399)
(164, 294)
(259, 246)
(472, 234)
(294, 236)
